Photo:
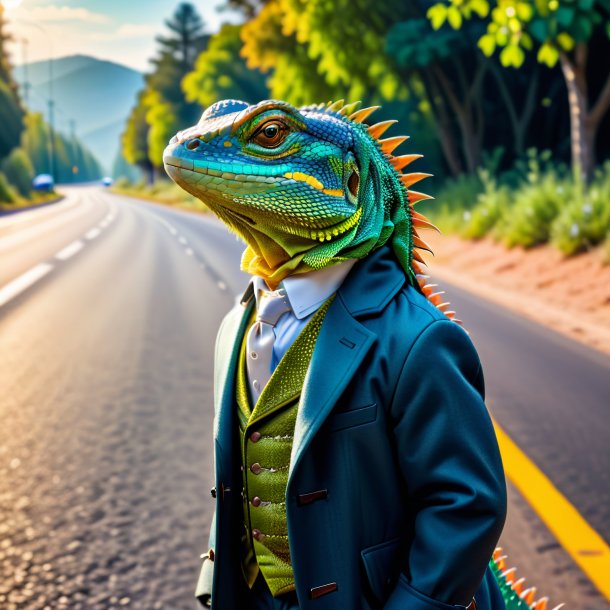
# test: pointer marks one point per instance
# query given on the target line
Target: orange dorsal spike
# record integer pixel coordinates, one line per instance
(528, 595)
(497, 553)
(417, 256)
(450, 314)
(399, 162)
(377, 130)
(541, 604)
(420, 221)
(389, 144)
(559, 606)
(420, 243)
(443, 306)
(363, 114)
(409, 179)
(350, 108)
(335, 106)
(428, 289)
(415, 196)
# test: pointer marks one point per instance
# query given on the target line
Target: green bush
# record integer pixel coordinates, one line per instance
(492, 205)
(7, 194)
(536, 204)
(19, 171)
(456, 199)
(585, 221)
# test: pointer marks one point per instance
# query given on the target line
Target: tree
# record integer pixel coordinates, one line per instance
(135, 138)
(11, 113)
(161, 108)
(557, 31)
(19, 171)
(221, 73)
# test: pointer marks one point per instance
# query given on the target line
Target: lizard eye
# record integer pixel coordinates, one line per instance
(271, 134)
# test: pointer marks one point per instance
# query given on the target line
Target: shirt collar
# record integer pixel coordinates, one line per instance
(307, 291)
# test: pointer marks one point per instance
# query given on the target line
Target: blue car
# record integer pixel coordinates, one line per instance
(43, 183)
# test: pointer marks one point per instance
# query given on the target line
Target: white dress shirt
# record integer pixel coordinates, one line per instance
(306, 293)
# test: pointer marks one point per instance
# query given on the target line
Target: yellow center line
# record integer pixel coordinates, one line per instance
(586, 547)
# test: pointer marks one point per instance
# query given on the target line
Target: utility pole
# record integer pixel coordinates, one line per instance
(26, 83)
(51, 119)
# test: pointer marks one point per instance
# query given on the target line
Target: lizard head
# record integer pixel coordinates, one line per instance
(304, 188)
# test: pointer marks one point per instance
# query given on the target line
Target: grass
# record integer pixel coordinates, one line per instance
(532, 204)
(162, 191)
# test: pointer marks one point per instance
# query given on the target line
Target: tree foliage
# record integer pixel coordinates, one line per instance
(19, 171)
(556, 31)
(221, 73)
(162, 108)
(11, 112)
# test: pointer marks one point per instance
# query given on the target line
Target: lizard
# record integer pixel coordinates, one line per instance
(310, 187)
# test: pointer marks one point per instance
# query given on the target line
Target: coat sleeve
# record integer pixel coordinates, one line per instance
(452, 471)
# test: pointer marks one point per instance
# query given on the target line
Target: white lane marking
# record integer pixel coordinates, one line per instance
(42, 228)
(36, 213)
(70, 250)
(93, 233)
(221, 285)
(167, 225)
(22, 282)
(182, 240)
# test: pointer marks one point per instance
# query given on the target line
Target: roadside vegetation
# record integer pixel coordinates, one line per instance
(502, 97)
(25, 145)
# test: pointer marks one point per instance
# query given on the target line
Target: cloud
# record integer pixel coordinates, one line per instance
(128, 31)
(58, 14)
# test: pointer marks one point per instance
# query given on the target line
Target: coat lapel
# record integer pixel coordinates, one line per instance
(229, 343)
(340, 348)
(343, 342)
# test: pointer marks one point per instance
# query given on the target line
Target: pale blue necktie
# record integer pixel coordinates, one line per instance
(261, 337)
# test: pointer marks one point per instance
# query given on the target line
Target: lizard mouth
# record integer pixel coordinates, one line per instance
(317, 233)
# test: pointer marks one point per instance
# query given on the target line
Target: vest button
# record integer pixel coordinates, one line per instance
(255, 437)
(257, 534)
(256, 468)
(256, 501)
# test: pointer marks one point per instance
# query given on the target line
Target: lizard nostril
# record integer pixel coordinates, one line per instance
(193, 144)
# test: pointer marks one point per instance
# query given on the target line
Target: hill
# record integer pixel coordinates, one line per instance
(96, 94)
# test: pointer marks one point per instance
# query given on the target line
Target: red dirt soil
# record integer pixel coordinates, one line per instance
(570, 295)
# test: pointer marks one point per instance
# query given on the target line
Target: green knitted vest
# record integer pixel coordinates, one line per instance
(266, 434)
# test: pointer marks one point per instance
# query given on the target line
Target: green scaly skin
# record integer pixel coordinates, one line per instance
(307, 188)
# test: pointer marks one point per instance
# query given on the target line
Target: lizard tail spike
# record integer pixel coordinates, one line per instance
(528, 595)
(361, 115)
(379, 129)
(417, 256)
(389, 144)
(409, 179)
(541, 604)
(402, 161)
(517, 585)
(497, 553)
(509, 575)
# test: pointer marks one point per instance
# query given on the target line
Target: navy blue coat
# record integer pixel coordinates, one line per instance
(393, 431)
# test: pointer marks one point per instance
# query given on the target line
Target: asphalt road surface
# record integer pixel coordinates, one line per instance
(108, 312)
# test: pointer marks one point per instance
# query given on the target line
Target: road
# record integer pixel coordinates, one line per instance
(108, 316)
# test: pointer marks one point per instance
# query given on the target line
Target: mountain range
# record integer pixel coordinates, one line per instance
(97, 95)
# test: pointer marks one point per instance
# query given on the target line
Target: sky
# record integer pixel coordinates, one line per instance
(118, 30)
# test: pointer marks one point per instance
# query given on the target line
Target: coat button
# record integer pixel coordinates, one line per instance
(255, 437)
(211, 554)
(213, 492)
(257, 534)
(256, 501)
(256, 468)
